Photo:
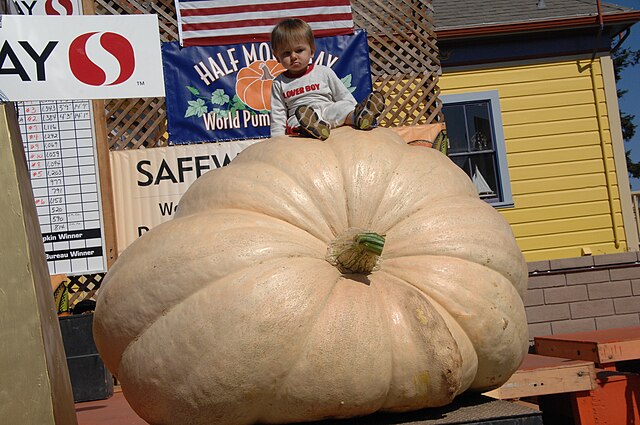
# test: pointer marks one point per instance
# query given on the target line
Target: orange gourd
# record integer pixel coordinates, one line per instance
(253, 84)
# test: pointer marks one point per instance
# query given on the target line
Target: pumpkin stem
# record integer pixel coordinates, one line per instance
(266, 74)
(355, 251)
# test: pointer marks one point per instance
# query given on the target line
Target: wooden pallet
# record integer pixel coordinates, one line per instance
(542, 375)
(603, 347)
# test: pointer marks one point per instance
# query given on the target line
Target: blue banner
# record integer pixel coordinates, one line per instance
(221, 93)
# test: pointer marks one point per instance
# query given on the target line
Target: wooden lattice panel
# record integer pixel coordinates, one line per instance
(83, 287)
(404, 58)
(136, 123)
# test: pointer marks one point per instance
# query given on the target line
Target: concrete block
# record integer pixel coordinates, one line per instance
(547, 281)
(565, 294)
(627, 305)
(571, 263)
(548, 313)
(618, 321)
(570, 326)
(534, 297)
(621, 288)
(625, 273)
(584, 309)
(588, 277)
(618, 258)
(539, 329)
(538, 266)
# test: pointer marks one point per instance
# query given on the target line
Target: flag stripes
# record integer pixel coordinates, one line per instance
(217, 22)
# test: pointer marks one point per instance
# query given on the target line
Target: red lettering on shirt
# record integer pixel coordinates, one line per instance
(300, 90)
(312, 87)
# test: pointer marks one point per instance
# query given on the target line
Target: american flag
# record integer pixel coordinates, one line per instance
(219, 22)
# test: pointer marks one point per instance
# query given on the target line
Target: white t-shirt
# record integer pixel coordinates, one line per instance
(319, 88)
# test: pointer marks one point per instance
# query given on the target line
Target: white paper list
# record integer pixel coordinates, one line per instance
(59, 146)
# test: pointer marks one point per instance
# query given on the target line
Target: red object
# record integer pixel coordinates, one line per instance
(202, 24)
(614, 401)
(603, 347)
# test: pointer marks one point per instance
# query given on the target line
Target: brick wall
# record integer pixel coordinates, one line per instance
(583, 294)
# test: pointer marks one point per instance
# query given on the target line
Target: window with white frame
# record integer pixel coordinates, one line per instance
(476, 143)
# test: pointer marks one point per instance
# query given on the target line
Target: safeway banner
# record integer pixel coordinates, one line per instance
(80, 57)
(220, 93)
(150, 182)
(45, 7)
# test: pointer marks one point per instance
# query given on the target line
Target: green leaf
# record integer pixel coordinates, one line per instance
(220, 112)
(194, 91)
(196, 107)
(219, 97)
(237, 104)
(346, 80)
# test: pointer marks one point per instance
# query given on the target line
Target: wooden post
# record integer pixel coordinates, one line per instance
(34, 380)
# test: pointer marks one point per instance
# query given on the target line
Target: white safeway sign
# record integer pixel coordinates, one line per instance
(148, 183)
(79, 57)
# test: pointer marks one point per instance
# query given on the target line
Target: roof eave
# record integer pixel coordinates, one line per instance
(628, 18)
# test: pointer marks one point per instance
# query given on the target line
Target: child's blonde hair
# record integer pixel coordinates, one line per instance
(289, 31)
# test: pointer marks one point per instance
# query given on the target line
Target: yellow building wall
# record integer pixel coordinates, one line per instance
(556, 137)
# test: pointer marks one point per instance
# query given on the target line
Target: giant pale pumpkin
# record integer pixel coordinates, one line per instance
(234, 312)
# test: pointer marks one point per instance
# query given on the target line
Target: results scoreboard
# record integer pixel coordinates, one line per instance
(59, 145)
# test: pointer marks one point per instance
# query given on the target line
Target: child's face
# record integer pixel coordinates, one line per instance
(295, 58)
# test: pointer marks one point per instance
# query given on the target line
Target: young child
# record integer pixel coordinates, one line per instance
(310, 99)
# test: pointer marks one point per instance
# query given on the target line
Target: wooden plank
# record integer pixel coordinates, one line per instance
(541, 171)
(584, 238)
(106, 188)
(514, 75)
(568, 112)
(569, 251)
(555, 212)
(561, 197)
(545, 142)
(523, 88)
(543, 100)
(601, 347)
(549, 128)
(553, 156)
(562, 226)
(543, 375)
(557, 183)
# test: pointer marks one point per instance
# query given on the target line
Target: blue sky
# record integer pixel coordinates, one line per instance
(630, 102)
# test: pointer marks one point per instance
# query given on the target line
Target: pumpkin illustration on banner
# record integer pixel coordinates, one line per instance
(253, 84)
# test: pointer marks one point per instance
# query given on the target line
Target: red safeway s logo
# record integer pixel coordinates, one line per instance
(101, 58)
(58, 7)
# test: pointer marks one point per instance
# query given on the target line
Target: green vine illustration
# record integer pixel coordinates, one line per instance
(219, 102)
(346, 80)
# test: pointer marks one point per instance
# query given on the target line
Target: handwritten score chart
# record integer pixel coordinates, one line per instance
(59, 145)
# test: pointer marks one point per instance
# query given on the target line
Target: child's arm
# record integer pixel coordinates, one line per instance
(278, 111)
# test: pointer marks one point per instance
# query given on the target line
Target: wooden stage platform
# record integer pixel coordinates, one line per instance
(467, 409)
(575, 379)
(112, 411)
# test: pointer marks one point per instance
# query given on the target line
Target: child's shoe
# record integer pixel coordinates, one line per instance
(367, 112)
(311, 123)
